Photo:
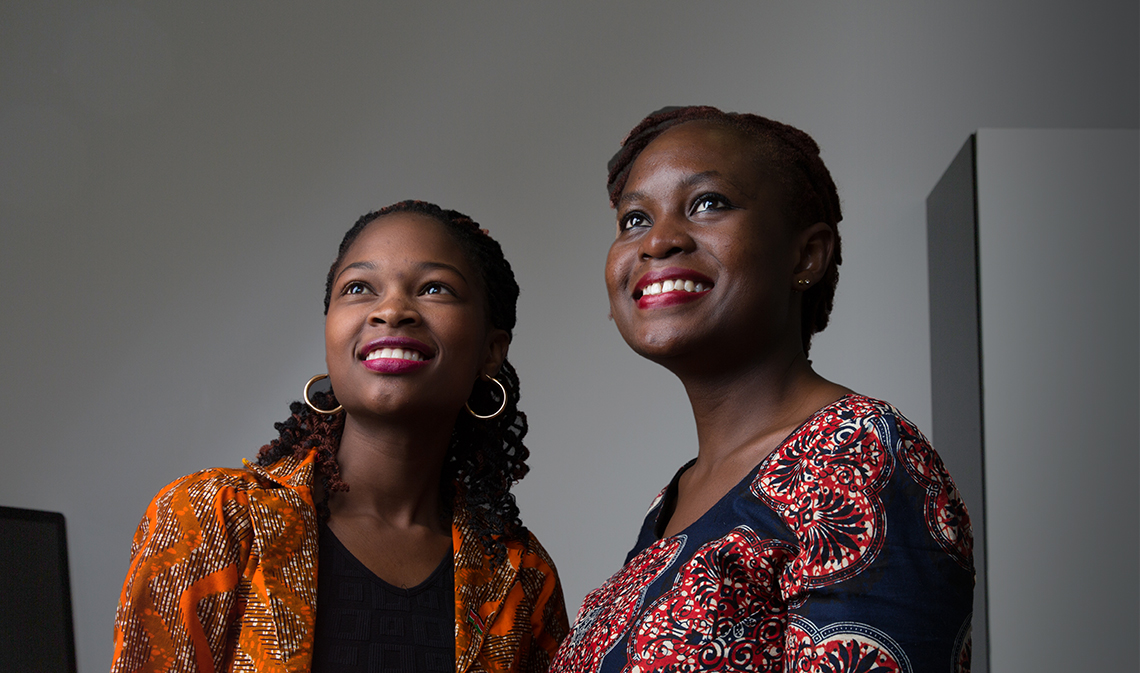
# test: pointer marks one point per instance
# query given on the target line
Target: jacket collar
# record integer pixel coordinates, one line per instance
(290, 472)
(480, 589)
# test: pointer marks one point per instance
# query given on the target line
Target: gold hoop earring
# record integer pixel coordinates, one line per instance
(502, 407)
(309, 402)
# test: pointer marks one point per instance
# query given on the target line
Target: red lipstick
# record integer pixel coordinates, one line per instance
(659, 296)
(395, 355)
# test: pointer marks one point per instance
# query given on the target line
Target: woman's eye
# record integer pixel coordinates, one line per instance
(710, 202)
(437, 288)
(632, 220)
(355, 287)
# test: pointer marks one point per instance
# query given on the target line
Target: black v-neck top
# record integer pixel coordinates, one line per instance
(365, 624)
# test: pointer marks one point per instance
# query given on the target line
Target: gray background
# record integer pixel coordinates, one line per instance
(174, 180)
(1060, 330)
(1035, 326)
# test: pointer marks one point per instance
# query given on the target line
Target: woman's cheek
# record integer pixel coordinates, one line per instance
(617, 271)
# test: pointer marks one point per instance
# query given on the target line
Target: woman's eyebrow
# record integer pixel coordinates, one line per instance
(429, 266)
(356, 265)
(689, 182)
(626, 197)
(697, 178)
(422, 266)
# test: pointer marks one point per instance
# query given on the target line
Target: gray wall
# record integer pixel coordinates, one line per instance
(1059, 280)
(955, 358)
(174, 179)
(1034, 242)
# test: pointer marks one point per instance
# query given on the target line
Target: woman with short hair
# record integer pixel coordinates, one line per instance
(816, 529)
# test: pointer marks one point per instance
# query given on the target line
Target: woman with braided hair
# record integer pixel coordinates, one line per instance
(816, 529)
(378, 531)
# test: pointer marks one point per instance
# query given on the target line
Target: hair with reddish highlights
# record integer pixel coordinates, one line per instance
(790, 157)
(485, 457)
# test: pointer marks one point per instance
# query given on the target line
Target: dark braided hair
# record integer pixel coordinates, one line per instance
(485, 457)
(790, 157)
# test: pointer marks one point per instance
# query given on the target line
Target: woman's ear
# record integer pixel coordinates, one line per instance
(815, 246)
(498, 343)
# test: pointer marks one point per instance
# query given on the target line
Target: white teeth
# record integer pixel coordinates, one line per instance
(677, 285)
(395, 354)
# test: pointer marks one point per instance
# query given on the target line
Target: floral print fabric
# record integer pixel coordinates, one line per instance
(847, 549)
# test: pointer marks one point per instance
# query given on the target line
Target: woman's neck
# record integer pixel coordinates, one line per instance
(751, 409)
(393, 471)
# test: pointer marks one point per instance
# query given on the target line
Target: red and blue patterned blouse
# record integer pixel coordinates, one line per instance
(846, 549)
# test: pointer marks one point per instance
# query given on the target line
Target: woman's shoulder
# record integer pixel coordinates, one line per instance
(856, 405)
(858, 418)
(855, 464)
(204, 488)
(217, 477)
(216, 510)
(522, 546)
(852, 443)
(529, 552)
(214, 479)
(205, 483)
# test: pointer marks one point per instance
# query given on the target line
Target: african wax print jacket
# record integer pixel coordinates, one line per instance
(223, 577)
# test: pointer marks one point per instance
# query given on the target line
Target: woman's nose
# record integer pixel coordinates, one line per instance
(394, 309)
(667, 236)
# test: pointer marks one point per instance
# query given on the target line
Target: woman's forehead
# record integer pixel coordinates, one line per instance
(709, 140)
(406, 235)
(699, 146)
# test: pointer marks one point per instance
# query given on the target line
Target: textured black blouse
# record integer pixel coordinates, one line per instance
(366, 624)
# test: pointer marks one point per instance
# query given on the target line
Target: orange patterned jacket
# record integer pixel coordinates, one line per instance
(223, 577)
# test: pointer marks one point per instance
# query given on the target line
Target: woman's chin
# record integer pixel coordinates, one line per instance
(662, 347)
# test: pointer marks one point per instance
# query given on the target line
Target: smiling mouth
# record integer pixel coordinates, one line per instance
(395, 354)
(672, 285)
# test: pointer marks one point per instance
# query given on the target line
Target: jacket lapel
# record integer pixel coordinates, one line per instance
(286, 534)
(479, 590)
